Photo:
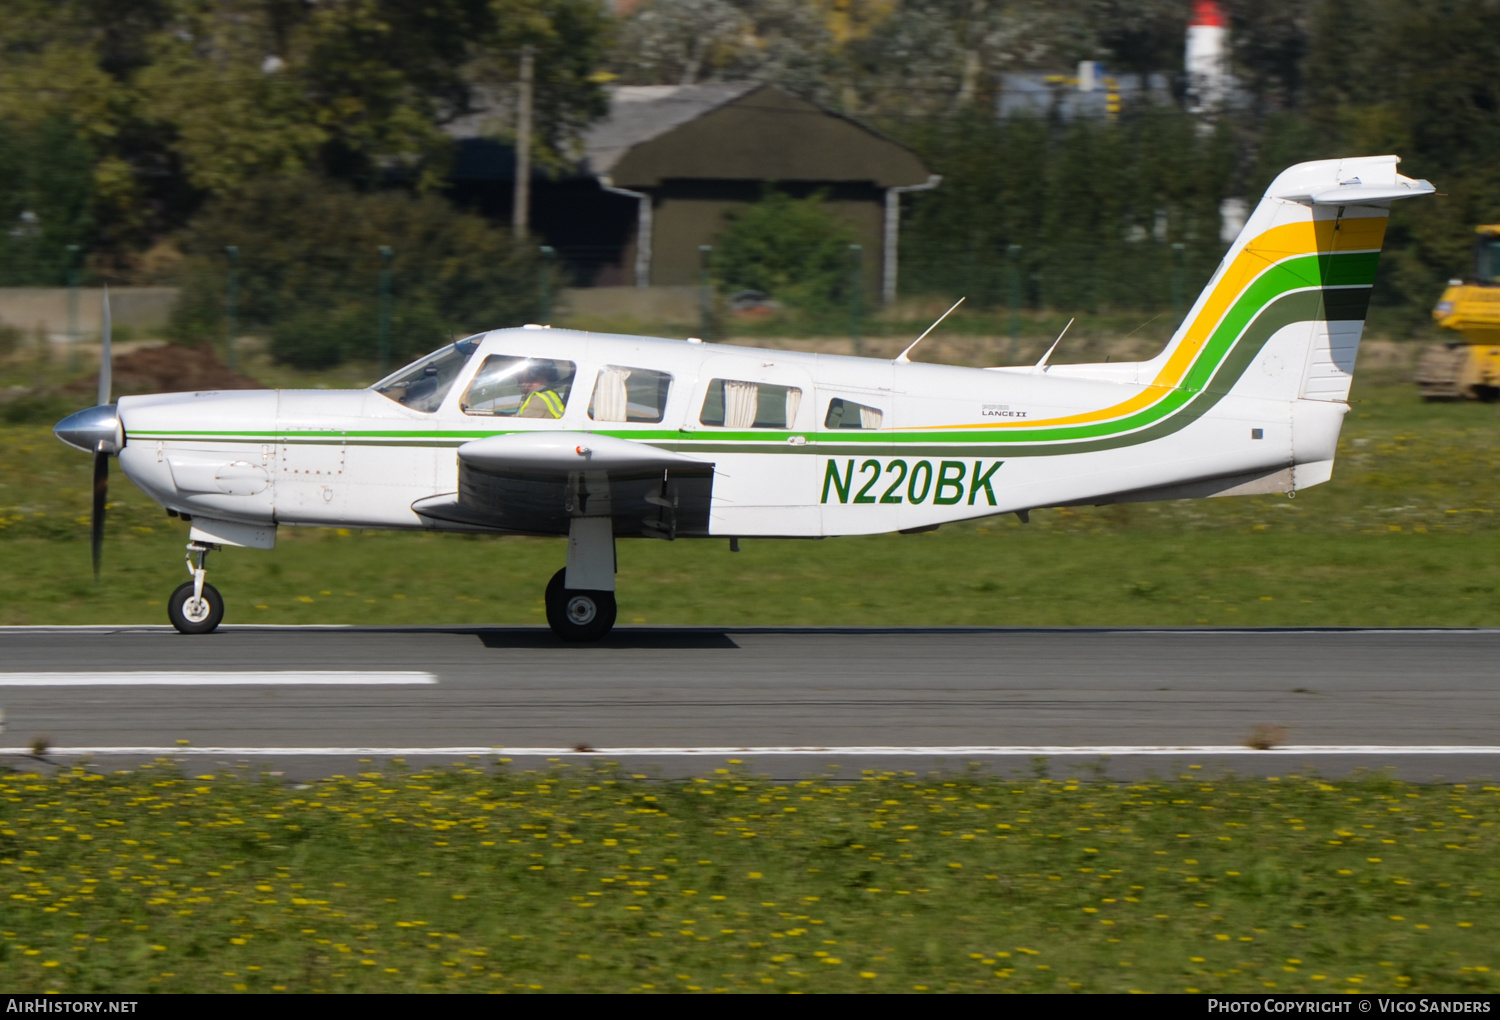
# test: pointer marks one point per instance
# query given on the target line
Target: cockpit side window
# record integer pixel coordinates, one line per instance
(846, 414)
(508, 386)
(424, 383)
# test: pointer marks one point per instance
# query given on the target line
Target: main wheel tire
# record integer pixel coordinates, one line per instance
(578, 615)
(199, 618)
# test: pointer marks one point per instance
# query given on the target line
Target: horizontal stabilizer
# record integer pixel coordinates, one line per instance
(1369, 194)
(1358, 180)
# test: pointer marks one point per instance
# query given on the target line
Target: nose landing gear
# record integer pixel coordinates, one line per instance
(196, 607)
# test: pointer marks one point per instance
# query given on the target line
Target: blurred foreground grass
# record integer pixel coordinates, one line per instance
(1405, 534)
(476, 879)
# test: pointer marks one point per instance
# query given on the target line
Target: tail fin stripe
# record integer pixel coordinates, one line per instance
(1178, 410)
(1267, 266)
(1287, 276)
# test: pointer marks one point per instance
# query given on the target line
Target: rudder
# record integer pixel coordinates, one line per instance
(1282, 316)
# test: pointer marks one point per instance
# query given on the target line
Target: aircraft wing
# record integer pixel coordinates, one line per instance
(537, 482)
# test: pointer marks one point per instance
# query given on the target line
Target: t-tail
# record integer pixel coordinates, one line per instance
(1282, 316)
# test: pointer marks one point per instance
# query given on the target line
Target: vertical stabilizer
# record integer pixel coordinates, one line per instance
(1282, 317)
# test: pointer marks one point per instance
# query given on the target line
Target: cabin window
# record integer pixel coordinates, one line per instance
(512, 387)
(424, 383)
(630, 394)
(747, 405)
(846, 414)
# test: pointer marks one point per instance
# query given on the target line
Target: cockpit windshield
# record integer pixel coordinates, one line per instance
(424, 383)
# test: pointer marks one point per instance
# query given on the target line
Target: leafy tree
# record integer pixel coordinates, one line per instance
(789, 248)
(569, 40)
(1095, 209)
(309, 269)
(681, 42)
(187, 99)
(46, 193)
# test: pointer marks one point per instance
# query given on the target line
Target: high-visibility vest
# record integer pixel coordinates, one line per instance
(550, 400)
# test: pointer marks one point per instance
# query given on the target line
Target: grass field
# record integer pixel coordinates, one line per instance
(475, 880)
(1405, 534)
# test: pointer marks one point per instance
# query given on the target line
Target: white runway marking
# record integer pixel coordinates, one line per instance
(754, 752)
(275, 678)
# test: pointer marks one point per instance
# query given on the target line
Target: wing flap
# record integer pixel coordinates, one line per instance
(536, 483)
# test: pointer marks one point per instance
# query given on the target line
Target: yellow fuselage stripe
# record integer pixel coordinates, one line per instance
(1275, 245)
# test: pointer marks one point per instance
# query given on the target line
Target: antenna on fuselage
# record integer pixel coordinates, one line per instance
(1041, 366)
(902, 357)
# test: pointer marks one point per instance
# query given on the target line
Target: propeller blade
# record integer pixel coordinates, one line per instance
(101, 493)
(106, 359)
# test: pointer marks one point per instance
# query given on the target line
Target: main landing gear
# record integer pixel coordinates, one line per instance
(196, 607)
(578, 614)
(581, 597)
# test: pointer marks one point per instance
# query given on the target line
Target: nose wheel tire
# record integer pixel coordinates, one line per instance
(578, 615)
(195, 616)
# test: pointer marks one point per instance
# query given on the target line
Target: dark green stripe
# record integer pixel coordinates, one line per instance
(1263, 308)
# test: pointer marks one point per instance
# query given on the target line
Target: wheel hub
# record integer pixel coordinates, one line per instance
(195, 610)
(581, 610)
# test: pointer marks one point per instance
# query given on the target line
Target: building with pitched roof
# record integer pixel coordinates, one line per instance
(663, 172)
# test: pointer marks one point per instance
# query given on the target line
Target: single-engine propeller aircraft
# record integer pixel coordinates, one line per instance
(540, 431)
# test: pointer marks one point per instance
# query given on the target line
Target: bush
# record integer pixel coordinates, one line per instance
(46, 196)
(790, 248)
(320, 338)
(309, 271)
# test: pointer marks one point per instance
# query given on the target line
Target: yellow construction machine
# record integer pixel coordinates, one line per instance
(1468, 369)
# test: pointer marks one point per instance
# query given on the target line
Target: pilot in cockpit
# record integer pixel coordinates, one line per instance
(538, 383)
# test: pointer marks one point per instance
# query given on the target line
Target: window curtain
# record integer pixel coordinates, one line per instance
(610, 395)
(869, 418)
(740, 399)
(793, 401)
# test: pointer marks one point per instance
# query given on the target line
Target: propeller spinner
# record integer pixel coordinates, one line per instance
(97, 431)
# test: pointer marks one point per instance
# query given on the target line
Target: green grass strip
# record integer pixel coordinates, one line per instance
(475, 879)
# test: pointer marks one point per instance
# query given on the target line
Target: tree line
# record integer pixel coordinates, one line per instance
(132, 131)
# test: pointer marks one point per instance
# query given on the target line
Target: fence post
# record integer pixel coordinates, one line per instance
(1013, 261)
(73, 251)
(386, 253)
(856, 294)
(232, 306)
(1178, 249)
(705, 291)
(544, 284)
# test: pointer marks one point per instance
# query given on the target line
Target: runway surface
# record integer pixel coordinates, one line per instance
(787, 702)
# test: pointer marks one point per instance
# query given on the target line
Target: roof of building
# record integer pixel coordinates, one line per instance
(639, 113)
(739, 130)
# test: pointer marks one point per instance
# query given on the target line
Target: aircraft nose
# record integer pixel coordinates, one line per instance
(94, 430)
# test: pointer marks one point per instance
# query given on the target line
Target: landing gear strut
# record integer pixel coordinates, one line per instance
(196, 607)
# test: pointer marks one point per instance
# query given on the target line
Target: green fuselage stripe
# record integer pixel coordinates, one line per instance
(1274, 300)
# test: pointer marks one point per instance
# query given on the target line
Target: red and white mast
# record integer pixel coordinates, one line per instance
(1207, 57)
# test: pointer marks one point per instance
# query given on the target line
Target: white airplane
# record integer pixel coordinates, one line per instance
(541, 431)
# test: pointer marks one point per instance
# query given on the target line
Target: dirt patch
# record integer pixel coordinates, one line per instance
(167, 369)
